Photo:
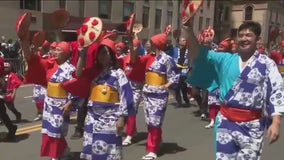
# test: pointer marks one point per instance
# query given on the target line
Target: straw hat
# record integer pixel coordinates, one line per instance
(90, 31)
(190, 9)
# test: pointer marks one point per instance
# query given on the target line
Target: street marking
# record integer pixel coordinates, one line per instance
(28, 96)
(33, 128)
(25, 85)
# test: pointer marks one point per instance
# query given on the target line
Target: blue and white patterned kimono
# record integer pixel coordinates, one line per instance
(39, 93)
(258, 86)
(156, 97)
(54, 124)
(101, 139)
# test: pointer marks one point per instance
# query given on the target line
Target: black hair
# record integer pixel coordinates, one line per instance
(114, 62)
(255, 27)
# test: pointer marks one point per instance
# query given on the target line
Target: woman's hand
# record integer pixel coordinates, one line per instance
(120, 124)
(273, 131)
(67, 108)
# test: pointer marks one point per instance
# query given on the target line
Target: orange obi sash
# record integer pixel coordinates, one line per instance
(240, 115)
(55, 90)
(104, 93)
(155, 79)
(281, 68)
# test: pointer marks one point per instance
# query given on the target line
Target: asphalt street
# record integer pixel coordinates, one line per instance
(184, 136)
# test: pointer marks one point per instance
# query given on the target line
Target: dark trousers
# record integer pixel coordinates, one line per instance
(201, 97)
(81, 115)
(12, 108)
(4, 116)
(181, 90)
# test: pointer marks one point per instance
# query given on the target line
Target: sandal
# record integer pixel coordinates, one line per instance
(127, 141)
(208, 126)
(150, 156)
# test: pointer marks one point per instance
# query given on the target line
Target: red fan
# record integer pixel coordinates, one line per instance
(208, 33)
(23, 24)
(168, 29)
(38, 39)
(60, 18)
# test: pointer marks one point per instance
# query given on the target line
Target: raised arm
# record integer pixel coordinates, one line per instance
(81, 60)
(26, 48)
(193, 46)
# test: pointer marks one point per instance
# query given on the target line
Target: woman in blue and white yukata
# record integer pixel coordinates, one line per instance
(251, 94)
(160, 75)
(52, 72)
(110, 101)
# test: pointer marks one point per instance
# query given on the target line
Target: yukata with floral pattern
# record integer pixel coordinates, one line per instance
(156, 98)
(52, 72)
(258, 87)
(39, 93)
(101, 138)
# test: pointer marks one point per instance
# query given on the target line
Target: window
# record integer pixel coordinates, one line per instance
(170, 3)
(62, 4)
(128, 9)
(200, 27)
(30, 4)
(104, 9)
(145, 17)
(82, 8)
(207, 22)
(226, 14)
(169, 18)
(158, 18)
(208, 3)
(248, 13)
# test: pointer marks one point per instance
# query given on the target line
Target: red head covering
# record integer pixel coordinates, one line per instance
(136, 42)
(226, 43)
(120, 45)
(109, 43)
(281, 43)
(160, 41)
(53, 44)
(46, 44)
(65, 46)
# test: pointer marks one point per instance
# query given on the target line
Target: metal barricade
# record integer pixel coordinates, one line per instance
(18, 65)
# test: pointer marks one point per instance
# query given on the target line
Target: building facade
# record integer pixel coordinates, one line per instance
(153, 15)
(270, 14)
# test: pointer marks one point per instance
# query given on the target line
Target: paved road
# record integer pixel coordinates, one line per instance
(184, 137)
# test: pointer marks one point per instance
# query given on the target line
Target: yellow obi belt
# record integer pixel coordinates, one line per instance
(55, 90)
(104, 93)
(281, 68)
(182, 67)
(155, 79)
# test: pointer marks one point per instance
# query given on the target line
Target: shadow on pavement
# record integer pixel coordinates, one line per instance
(170, 148)
(139, 137)
(75, 155)
(21, 121)
(17, 138)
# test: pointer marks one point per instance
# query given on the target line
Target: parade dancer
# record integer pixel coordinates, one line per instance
(12, 83)
(3, 114)
(134, 67)
(51, 72)
(251, 93)
(110, 100)
(160, 75)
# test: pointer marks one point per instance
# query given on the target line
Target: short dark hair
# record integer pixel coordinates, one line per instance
(255, 27)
